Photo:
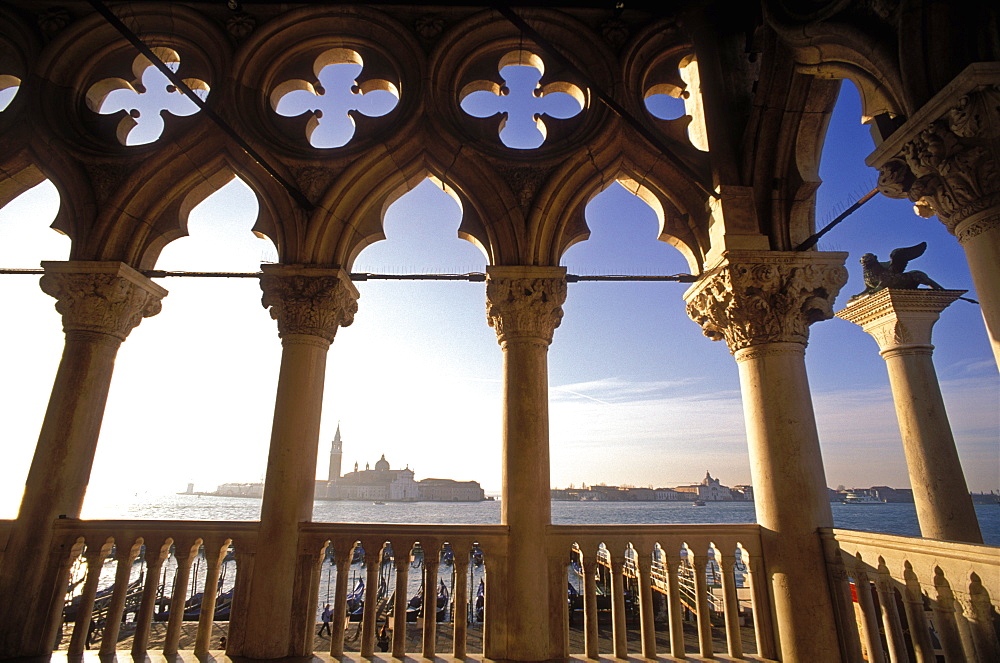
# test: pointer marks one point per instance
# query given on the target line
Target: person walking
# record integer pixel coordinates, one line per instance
(326, 617)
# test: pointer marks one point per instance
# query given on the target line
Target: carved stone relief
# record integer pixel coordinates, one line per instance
(950, 168)
(756, 301)
(310, 305)
(525, 307)
(102, 303)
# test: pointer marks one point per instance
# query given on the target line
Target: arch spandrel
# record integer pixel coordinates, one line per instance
(19, 48)
(351, 211)
(293, 44)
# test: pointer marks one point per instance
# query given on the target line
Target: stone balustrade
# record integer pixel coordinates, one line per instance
(894, 594)
(898, 594)
(672, 560)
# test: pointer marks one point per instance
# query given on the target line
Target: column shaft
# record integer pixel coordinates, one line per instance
(944, 508)
(101, 302)
(524, 306)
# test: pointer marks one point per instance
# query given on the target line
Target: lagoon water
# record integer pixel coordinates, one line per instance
(887, 518)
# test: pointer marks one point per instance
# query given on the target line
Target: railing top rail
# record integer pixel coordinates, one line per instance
(912, 546)
(390, 530)
(166, 526)
(748, 530)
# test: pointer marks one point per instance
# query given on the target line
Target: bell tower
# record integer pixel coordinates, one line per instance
(336, 453)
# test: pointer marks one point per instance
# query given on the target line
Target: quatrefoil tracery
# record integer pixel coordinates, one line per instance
(522, 100)
(670, 101)
(334, 99)
(145, 99)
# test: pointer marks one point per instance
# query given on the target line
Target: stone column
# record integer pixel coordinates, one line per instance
(900, 321)
(762, 303)
(310, 304)
(524, 306)
(946, 159)
(100, 303)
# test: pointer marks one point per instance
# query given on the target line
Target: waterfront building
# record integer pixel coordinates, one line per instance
(733, 185)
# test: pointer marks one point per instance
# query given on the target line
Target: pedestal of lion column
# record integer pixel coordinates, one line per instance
(762, 303)
(900, 321)
(524, 306)
(100, 303)
(946, 159)
(274, 620)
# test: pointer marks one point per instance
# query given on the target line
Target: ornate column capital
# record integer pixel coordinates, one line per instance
(309, 300)
(900, 320)
(103, 297)
(754, 297)
(525, 303)
(946, 157)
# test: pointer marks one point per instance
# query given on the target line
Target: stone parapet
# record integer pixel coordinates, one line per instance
(755, 297)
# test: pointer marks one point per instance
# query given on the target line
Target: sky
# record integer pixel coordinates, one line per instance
(638, 396)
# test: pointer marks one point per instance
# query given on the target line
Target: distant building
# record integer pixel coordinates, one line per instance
(385, 484)
(709, 490)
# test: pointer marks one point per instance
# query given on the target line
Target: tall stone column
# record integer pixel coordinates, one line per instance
(524, 306)
(946, 159)
(762, 303)
(900, 321)
(310, 304)
(100, 303)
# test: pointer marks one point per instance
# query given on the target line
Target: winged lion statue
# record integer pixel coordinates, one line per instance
(893, 274)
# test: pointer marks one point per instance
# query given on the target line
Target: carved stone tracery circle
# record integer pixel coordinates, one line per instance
(102, 303)
(950, 168)
(753, 303)
(309, 305)
(525, 307)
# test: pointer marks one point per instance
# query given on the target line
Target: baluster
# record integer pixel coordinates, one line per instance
(890, 616)
(944, 616)
(402, 553)
(673, 569)
(701, 602)
(869, 619)
(589, 563)
(343, 559)
(185, 556)
(913, 603)
(214, 554)
(731, 604)
(847, 621)
(113, 622)
(432, 559)
(85, 608)
(459, 618)
(373, 561)
(315, 575)
(762, 626)
(619, 633)
(144, 618)
(980, 611)
(647, 625)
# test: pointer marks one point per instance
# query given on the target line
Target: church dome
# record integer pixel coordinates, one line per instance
(382, 464)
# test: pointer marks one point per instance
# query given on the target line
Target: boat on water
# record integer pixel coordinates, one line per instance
(699, 503)
(855, 498)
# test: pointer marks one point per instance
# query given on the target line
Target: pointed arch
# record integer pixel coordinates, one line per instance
(558, 220)
(151, 209)
(352, 210)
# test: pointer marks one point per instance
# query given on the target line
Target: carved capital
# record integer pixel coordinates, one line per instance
(310, 301)
(525, 302)
(900, 320)
(103, 297)
(756, 297)
(945, 158)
